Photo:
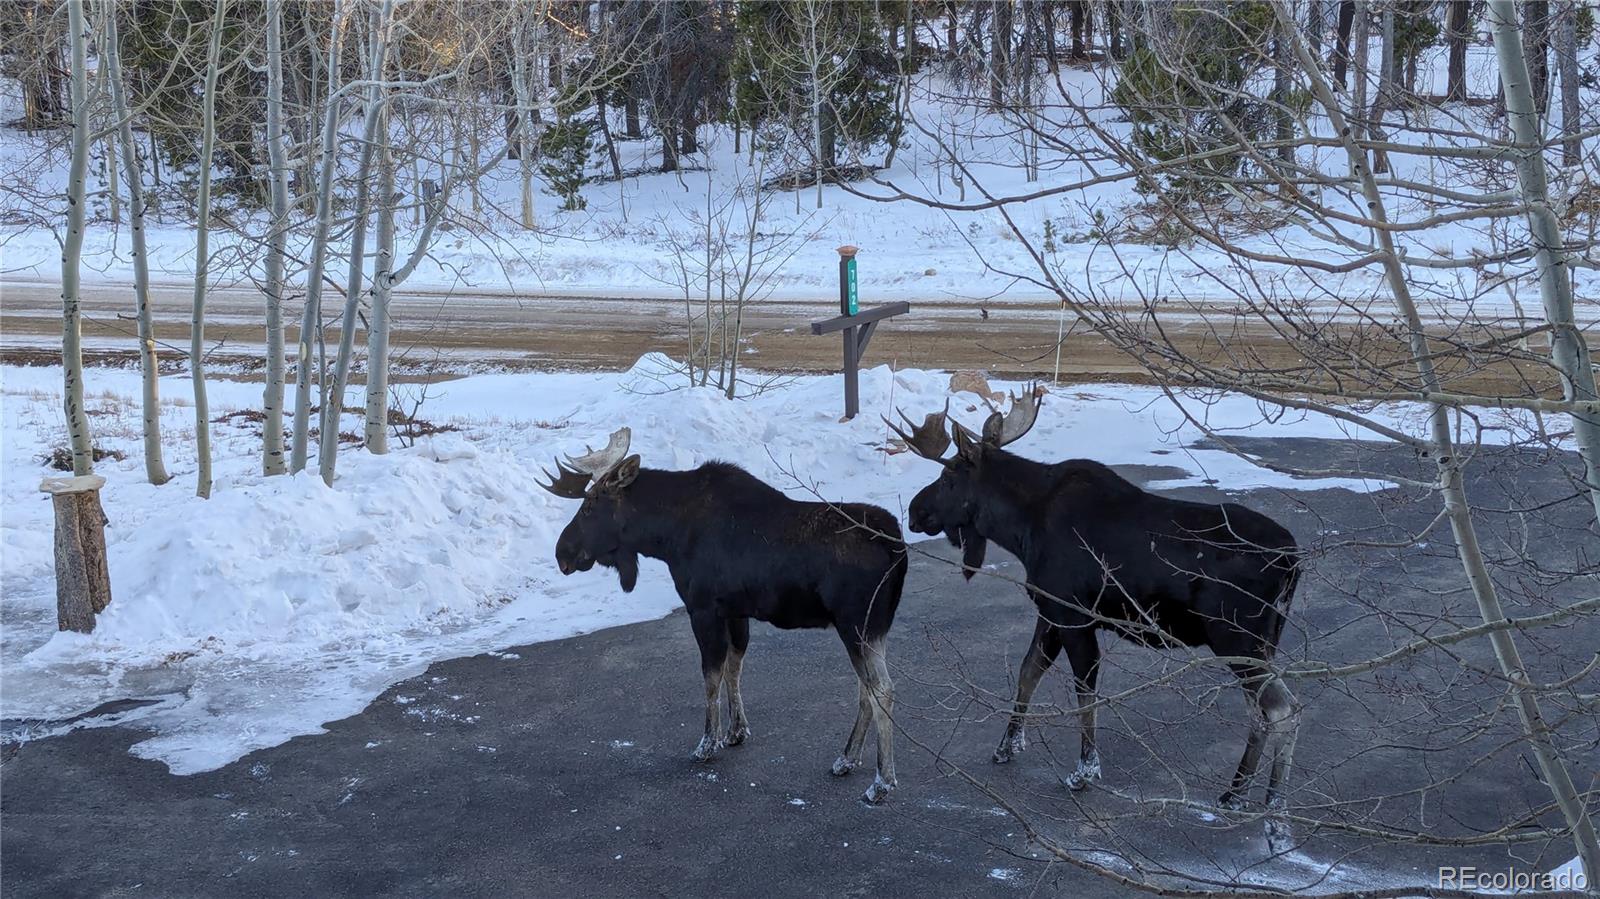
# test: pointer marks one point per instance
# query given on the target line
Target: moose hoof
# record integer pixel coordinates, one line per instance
(1088, 769)
(707, 750)
(1280, 838)
(738, 735)
(1231, 801)
(878, 792)
(1009, 746)
(841, 767)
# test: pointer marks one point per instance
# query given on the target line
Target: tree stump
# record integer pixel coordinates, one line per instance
(83, 583)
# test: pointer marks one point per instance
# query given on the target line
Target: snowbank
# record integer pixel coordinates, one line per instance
(280, 604)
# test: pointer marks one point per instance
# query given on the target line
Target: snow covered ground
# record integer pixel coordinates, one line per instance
(621, 245)
(280, 603)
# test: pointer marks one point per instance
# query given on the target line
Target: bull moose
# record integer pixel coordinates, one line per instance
(739, 549)
(1100, 553)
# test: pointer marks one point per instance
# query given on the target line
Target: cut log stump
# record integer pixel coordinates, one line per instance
(83, 583)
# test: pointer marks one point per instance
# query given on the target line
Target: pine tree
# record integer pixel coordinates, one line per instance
(796, 54)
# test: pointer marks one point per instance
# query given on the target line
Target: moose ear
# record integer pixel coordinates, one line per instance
(623, 475)
(967, 446)
(992, 426)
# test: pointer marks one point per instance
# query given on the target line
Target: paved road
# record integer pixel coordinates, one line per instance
(562, 768)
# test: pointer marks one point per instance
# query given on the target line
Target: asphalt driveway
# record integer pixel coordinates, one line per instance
(563, 768)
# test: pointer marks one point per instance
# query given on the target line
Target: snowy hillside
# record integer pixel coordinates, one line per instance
(628, 240)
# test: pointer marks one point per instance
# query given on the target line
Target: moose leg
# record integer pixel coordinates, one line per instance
(1041, 655)
(738, 642)
(880, 689)
(851, 756)
(711, 632)
(1254, 679)
(1083, 651)
(1283, 726)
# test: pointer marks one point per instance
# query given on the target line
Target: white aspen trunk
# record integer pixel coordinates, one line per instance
(108, 15)
(72, 250)
(1568, 350)
(307, 193)
(202, 258)
(319, 250)
(816, 118)
(155, 468)
(521, 86)
(272, 461)
(333, 401)
(713, 257)
(377, 417)
(1552, 766)
(814, 55)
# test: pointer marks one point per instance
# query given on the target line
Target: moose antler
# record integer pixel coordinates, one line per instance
(597, 462)
(1010, 427)
(929, 439)
(573, 476)
(569, 483)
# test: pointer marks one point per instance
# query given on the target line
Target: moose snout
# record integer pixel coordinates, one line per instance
(571, 557)
(578, 561)
(922, 521)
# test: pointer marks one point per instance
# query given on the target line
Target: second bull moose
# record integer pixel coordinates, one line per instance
(1101, 553)
(740, 549)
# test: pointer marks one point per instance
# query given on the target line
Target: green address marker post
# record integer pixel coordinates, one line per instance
(848, 304)
(856, 325)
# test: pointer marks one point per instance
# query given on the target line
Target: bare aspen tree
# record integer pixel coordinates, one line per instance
(386, 276)
(527, 37)
(1568, 350)
(202, 256)
(155, 468)
(272, 461)
(108, 14)
(726, 261)
(318, 253)
(817, 57)
(377, 405)
(72, 248)
(333, 402)
(1459, 512)
(804, 74)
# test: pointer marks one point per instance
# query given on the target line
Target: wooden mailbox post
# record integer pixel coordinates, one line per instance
(83, 583)
(857, 325)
